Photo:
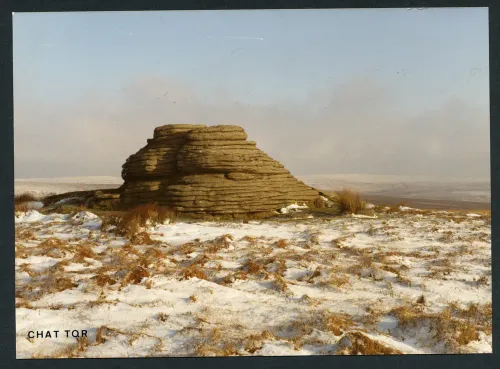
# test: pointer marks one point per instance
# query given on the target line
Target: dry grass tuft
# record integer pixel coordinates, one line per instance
(20, 208)
(24, 304)
(281, 244)
(453, 326)
(151, 257)
(314, 274)
(136, 275)
(251, 240)
(255, 342)
(50, 243)
(280, 283)
(252, 267)
(142, 238)
(51, 284)
(338, 281)
(24, 197)
(100, 335)
(131, 222)
(218, 243)
(421, 300)
(193, 271)
(82, 343)
(83, 251)
(25, 234)
(102, 280)
(319, 203)
(335, 323)
(356, 343)
(347, 201)
(162, 317)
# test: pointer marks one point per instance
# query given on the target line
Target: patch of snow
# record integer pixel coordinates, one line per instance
(67, 200)
(292, 207)
(33, 205)
(87, 220)
(31, 216)
(364, 216)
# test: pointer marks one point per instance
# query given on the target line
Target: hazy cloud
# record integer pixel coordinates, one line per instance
(351, 128)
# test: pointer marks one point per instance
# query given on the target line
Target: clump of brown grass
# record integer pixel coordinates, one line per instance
(52, 284)
(142, 238)
(319, 203)
(213, 246)
(251, 240)
(151, 256)
(279, 283)
(131, 222)
(110, 221)
(128, 249)
(339, 242)
(252, 267)
(356, 343)
(483, 281)
(347, 201)
(187, 248)
(338, 280)
(335, 323)
(50, 243)
(255, 341)
(25, 234)
(103, 279)
(20, 208)
(129, 225)
(208, 349)
(162, 317)
(24, 197)
(193, 271)
(82, 343)
(24, 304)
(366, 261)
(83, 251)
(314, 274)
(421, 300)
(325, 321)
(241, 275)
(446, 237)
(100, 334)
(136, 275)
(281, 244)
(314, 238)
(453, 325)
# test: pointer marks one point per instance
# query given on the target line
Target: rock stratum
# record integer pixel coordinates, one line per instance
(209, 170)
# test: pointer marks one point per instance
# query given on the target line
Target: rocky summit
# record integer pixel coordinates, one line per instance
(209, 170)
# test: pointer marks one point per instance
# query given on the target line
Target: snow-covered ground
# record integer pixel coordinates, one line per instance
(409, 282)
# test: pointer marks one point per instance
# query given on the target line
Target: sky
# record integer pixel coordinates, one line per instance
(369, 91)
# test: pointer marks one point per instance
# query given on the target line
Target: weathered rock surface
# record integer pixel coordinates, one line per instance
(211, 170)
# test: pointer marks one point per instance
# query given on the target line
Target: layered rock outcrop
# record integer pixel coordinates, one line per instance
(209, 170)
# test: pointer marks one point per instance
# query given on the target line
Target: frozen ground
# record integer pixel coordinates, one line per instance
(405, 282)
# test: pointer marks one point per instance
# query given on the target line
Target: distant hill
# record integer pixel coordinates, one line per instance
(453, 189)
